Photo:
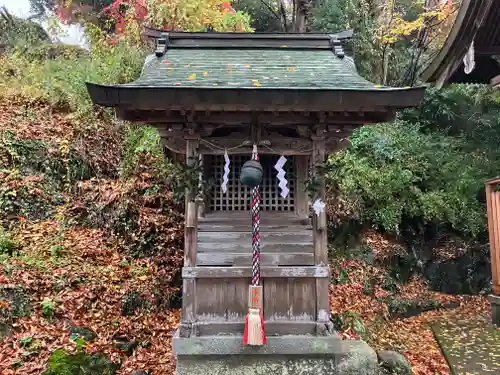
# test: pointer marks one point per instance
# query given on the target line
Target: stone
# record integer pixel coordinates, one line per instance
(85, 333)
(132, 302)
(125, 345)
(141, 372)
(282, 355)
(15, 303)
(395, 362)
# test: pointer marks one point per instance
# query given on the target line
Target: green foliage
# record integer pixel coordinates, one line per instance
(142, 151)
(385, 43)
(329, 16)
(7, 244)
(53, 51)
(42, 158)
(399, 172)
(18, 34)
(80, 363)
(61, 80)
(264, 18)
(49, 307)
(349, 319)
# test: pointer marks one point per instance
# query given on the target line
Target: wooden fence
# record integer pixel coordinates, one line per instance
(493, 208)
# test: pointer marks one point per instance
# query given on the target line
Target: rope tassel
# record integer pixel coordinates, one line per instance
(254, 333)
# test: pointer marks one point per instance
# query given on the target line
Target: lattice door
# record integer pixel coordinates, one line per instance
(238, 196)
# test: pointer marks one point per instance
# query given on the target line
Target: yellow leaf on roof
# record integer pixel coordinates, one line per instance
(205, 74)
(192, 76)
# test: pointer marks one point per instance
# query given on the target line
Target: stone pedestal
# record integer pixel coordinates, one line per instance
(495, 309)
(282, 355)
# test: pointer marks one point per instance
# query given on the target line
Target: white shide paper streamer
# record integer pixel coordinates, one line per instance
(318, 206)
(225, 177)
(281, 176)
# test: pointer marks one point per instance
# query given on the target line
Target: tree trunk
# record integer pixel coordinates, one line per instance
(303, 16)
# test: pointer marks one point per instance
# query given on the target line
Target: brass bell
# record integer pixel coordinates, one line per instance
(251, 173)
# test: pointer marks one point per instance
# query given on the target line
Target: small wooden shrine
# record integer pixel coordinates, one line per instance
(219, 98)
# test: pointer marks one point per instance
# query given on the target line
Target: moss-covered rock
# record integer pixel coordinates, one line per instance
(80, 363)
(85, 333)
(15, 302)
(395, 362)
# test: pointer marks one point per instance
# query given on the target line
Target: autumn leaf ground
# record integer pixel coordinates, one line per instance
(413, 336)
(86, 283)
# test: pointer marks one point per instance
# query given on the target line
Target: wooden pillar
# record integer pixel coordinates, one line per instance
(200, 199)
(190, 244)
(301, 199)
(320, 241)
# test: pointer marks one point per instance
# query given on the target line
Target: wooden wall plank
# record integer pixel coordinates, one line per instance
(236, 298)
(302, 306)
(211, 304)
(276, 299)
(267, 259)
(222, 300)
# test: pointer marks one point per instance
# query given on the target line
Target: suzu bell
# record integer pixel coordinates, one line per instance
(251, 173)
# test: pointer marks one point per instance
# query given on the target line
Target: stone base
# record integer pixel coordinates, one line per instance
(282, 355)
(495, 309)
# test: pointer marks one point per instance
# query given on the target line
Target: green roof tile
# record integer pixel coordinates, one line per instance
(269, 68)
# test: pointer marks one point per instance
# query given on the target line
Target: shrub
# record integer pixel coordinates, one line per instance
(399, 173)
(79, 363)
(61, 81)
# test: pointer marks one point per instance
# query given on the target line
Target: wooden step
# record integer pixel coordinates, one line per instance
(267, 259)
(242, 218)
(247, 227)
(246, 247)
(268, 237)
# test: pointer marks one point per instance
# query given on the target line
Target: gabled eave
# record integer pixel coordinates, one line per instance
(254, 99)
(469, 19)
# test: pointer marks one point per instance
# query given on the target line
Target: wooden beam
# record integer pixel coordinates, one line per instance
(162, 118)
(267, 259)
(495, 81)
(273, 328)
(266, 271)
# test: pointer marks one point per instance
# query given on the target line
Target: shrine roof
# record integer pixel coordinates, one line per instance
(477, 23)
(202, 63)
